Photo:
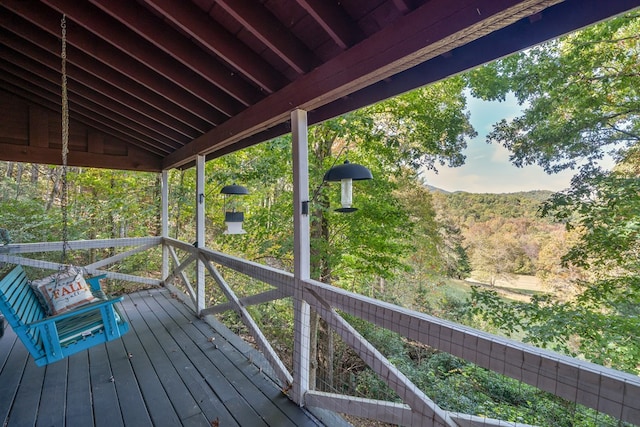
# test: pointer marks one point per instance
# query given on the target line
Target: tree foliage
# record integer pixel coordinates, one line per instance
(582, 102)
(580, 96)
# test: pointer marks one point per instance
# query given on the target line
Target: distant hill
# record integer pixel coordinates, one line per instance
(539, 195)
(479, 207)
(436, 189)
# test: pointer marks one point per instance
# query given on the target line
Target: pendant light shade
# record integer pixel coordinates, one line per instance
(234, 189)
(347, 170)
(346, 173)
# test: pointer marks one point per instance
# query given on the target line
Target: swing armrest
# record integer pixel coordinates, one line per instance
(94, 282)
(80, 310)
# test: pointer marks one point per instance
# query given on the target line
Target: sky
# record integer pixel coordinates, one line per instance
(487, 168)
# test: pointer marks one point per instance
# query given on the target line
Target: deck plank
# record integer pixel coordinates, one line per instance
(27, 400)
(156, 399)
(183, 402)
(11, 373)
(79, 391)
(103, 389)
(6, 344)
(263, 393)
(197, 379)
(165, 372)
(239, 396)
(53, 400)
(132, 405)
(237, 390)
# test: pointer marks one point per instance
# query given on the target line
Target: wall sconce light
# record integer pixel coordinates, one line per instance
(232, 218)
(346, 173)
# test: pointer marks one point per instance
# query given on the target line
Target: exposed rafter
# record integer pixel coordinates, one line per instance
(333, 21)
(139, 50)
(190, 19)
(275, 36)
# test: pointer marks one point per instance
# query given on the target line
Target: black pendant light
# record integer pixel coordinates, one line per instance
(346, 173)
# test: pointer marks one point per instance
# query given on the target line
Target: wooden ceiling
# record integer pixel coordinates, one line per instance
(153, 83)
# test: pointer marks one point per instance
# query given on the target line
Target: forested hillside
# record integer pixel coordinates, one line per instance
(473, 207)
(504, 234)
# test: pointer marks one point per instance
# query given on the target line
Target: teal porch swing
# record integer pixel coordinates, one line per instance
(48, 330)
(50, 338)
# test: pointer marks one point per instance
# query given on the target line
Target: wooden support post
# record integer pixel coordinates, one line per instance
(164, 219)
(200, 243)
(301, 256)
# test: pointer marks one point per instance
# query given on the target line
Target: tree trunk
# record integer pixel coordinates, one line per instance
(9, 169)
(19, 178)
(112, 219)
(35, 173)
(158, 198)
(55, 187)
(313, 351)
(320, 270)
(179, 204)
(330, 359)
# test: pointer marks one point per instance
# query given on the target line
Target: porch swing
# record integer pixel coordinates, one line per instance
(61, 314)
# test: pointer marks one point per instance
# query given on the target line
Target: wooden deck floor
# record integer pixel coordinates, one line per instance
(164, 372)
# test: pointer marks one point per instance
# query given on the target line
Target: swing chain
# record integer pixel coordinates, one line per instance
(65, 141)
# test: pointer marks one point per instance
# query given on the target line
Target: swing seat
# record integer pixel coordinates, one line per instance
(52, 338)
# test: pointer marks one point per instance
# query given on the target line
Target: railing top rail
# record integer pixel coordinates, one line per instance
(24, 248)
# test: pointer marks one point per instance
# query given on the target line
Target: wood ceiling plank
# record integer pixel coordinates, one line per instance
(32, 41)
(175, 44)
(266, 28)
(26, 94)
(402, 6)
(193, 21)
(39, 89)
(103, 109)
(145, 53)
(105, 56)
(21, 48)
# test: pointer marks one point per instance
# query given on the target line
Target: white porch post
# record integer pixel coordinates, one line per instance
(200, 243)
(164, 219)
(301, 256)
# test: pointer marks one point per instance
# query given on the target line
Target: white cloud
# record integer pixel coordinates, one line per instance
(487, 168)
(499, 154)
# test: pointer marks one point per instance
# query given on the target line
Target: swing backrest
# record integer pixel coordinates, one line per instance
(21, 306)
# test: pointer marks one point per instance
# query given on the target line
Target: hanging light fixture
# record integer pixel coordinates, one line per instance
(346, 173)
(232, 218)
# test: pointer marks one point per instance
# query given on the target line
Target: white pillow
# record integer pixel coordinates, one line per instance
(65, 291)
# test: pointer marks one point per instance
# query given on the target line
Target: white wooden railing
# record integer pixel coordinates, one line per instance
(605, 390)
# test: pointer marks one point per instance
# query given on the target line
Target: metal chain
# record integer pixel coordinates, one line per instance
(65, 141)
